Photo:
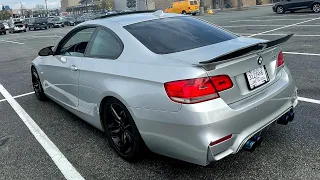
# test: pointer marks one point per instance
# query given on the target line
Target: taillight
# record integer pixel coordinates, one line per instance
(280, 61)
(197, 90)
(221, 140)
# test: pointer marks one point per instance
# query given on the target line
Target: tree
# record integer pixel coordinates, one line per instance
(40, 7)
(107, 4)
(4, 15)
(131, 4)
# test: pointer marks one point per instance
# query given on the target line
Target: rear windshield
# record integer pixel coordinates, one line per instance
(170, 35)
(193, 2)
(41, 20)
(56, 19)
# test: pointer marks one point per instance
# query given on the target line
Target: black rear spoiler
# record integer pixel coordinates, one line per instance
(246, 50)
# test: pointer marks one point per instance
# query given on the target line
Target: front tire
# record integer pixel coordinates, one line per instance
(37, 86)
(184, 12)
(280, 10)
(121, 131)
(316, 7)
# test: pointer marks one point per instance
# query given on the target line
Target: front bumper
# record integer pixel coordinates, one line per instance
(186, 134)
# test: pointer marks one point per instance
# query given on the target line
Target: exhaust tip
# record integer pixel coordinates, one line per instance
(253, 143)
(291, 115)
(284, 119)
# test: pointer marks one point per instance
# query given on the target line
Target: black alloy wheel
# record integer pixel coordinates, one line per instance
(122, 132)
(36, 84)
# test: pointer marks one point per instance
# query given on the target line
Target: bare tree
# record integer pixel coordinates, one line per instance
(131, 4)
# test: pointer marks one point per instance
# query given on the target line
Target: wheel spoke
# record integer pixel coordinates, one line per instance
(129, 133)
(115, 132)
(115, 114)
(127, 143)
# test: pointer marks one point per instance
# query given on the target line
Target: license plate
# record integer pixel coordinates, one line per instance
(257, 77)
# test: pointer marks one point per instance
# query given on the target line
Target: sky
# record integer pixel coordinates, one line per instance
(15, 4)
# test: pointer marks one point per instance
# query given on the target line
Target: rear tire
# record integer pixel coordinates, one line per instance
(37, 86)
(121, 131)
(316, 7)
(280, 10)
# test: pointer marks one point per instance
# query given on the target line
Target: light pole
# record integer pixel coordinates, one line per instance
(239, 4)
(20, 8)
(46, 7)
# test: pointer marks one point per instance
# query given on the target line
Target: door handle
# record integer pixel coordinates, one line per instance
(73, 68)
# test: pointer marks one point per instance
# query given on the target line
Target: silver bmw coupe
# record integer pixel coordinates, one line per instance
(176, 85)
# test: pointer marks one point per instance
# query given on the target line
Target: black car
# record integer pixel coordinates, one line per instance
(2, 29)
(38, 23)
(294, 5)
(69, 21)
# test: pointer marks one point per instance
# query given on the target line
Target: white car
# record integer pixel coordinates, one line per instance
(6, 26)
(17, 27)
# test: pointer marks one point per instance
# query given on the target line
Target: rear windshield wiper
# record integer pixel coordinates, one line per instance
(248, 49)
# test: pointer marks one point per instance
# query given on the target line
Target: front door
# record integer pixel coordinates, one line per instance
(62, 70)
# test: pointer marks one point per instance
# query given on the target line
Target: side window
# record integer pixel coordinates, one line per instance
(106, 45)
(170, 6)
(76, 45)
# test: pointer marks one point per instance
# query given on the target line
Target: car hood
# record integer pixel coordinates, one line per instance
(194, 56)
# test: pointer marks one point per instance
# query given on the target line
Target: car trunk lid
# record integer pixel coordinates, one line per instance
(237, 58)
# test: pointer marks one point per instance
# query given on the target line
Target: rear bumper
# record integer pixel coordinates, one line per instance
(39, 26)
(186, 134)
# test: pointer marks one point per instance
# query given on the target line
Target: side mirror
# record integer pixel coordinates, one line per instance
(46, 51)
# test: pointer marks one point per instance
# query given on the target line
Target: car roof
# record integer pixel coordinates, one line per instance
(132, 18)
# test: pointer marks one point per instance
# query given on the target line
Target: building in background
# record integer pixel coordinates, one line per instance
(68, 3)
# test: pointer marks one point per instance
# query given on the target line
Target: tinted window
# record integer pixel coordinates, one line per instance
(169, 35)
(106, 44)
(193, 2)
(56, 19)
(41, 20)
(77, 44)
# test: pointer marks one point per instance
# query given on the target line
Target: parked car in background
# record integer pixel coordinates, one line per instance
(79, 20)
(184, 7)
(16, 26)
(38, 23)
(69, 21)
(56, 22)
(295, 5)
(6, 25)
(26, 22)
(2, 28)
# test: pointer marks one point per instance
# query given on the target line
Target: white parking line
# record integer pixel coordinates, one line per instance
(309, 100)
(304, 15)
(306, 54)
(285, 26)
(21, 95)
(54, 36)
(296, 35)
(66, 168)
(260, 20)
(263, 25)
(12, 42)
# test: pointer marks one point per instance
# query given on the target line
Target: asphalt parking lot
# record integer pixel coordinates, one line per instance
(287, 152)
